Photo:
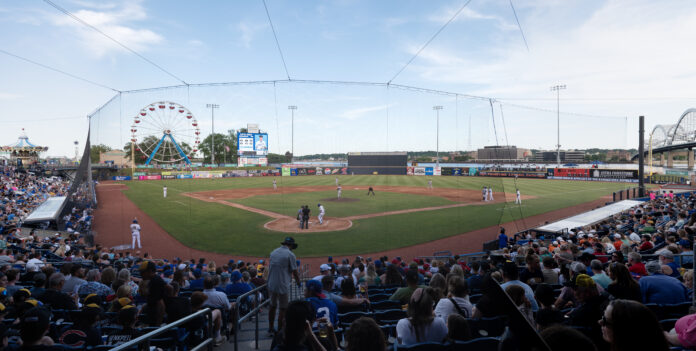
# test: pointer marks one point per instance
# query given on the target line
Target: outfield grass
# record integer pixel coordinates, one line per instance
(218, 228)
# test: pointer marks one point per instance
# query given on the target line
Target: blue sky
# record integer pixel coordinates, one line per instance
(617, 58)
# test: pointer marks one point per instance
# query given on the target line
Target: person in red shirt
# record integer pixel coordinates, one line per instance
(646, 244)
(618, 242)
(635, 266)
(599, 253)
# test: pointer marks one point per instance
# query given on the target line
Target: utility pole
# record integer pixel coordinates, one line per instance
(212, 108)
(292, 109)
(437, 147)
(557, 89)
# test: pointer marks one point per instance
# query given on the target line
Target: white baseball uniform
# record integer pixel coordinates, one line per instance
(321, 214)
(430, 184)
(164, 192)
(336, 181)
(490, 194)
(518, 200)
(275, 186)
(339, 191)
(135, 233)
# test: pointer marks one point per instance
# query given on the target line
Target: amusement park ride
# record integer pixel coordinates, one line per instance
(165, 132)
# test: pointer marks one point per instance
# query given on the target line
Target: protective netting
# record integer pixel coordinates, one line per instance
(341, 117)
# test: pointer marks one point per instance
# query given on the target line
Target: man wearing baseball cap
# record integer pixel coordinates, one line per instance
(323, 307)
(324, 270)
(282, 266)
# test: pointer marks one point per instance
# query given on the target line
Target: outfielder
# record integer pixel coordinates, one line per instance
(275, 186)
(336, 181)
(321, 214)
(338, 190)
(430, 184)
(518, 200)
(135, 233)
(164, 191)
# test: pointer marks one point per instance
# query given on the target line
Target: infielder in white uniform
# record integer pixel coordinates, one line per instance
(338, 190)
(321, 214)
(518, 200)
(490, 193)
(484, 194)
(135, 232)
(275, 186)
(430, 183)
(336, 181)
(164, 192)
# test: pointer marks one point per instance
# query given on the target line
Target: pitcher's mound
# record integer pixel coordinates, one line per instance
(292, 225)
(343, 199)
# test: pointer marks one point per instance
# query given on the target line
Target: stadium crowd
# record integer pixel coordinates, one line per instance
(625, 283)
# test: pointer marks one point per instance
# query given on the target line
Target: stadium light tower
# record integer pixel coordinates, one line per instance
(437, 110)
(212, 108)
(292, 109)
(557, 89)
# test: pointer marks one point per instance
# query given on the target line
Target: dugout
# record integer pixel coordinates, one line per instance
(390, 163)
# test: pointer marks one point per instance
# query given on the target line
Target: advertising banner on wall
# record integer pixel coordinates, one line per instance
(569, 172)
(285, 172)
(121, 178)
(519, 174)
(473, 171)
(614, 174)
(184, 176)
(428, 170)
(169, 176)
(150, 177)
(419, 171)
(437, 170)
(409, 170)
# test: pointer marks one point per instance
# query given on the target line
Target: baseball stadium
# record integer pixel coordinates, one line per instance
(349, 213)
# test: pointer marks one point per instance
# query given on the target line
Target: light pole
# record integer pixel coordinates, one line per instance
(557, 89)
(76, 150)
(292, 109)
(437, 110)
(212, 108)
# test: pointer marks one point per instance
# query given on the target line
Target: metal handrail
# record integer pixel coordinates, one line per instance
(146, 338)
(255, 312)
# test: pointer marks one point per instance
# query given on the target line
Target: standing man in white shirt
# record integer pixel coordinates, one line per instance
(164, 191)
(518, 200)
(135, 233)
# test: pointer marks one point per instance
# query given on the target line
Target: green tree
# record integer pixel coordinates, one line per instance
(221, 142)
(96, 150)
(288, 156)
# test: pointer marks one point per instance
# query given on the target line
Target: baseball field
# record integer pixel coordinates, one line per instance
(246, 216)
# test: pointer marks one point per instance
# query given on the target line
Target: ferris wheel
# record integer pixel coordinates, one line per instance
(165, 132)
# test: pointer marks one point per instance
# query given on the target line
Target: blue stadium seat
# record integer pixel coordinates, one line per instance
(474, 298)
(389, 316)
(668, 324)
(379, 297)
(480, 344)
(346, 319)
(424, 346)
(385, 305)
(352, 308)
(487, 327)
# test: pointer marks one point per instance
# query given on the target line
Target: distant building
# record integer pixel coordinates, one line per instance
(569, 156)
(115, 157)
(502, 153)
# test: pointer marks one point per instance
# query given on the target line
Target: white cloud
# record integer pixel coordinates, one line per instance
(9, 96)
(248, 32)
(444, 15)
(116, 21)
(356, 113)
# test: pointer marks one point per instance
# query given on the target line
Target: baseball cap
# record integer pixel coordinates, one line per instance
(289, 241)
(235, 276)
(617, 236)
(665, 253)
(181, 266)
(583, 281)
(135, 221)
(314, 287)
(324, 267)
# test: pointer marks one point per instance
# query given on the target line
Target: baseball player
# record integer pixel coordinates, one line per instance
(518, 200)
(322, 212)
(336, 181)
(430, 184)
(164, 191)
(370, 191)
(275, 186)
(338, 190)
(135, 233)
(490, 193)
(484, 194)
(299, 216)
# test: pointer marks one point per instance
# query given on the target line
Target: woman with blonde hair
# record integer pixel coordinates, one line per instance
(125, 275)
